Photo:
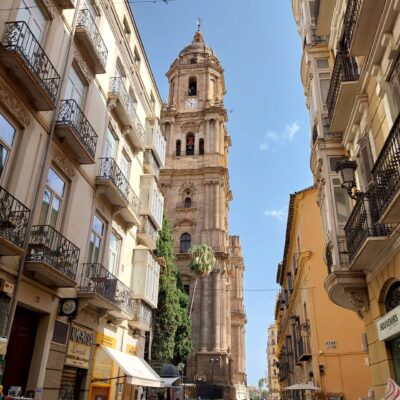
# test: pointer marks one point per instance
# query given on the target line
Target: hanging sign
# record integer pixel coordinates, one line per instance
(389, 325)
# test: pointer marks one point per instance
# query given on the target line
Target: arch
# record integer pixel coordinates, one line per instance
(201, 146)
(185, 242)
(392, 298)
(192, 87)
(178, 148)
(190, 144)
(187, 203)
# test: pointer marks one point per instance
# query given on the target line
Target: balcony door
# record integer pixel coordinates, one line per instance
(75, 88)
(113, 254)
(96, 240)
(110, 147)
(31, 13)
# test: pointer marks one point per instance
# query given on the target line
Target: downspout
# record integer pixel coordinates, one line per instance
(41, 175)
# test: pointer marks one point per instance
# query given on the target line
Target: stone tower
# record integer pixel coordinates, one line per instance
(195, 183)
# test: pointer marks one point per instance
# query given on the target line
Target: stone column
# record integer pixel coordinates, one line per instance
(216, 205)
(221, 138)
(216, 136)
(207, 136)
(223, 313)
(204, 323)
(229, 320)
(216, 311)
(222, 211)
(206, 204)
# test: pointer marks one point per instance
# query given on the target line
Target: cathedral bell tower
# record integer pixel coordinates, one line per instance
(195, 183)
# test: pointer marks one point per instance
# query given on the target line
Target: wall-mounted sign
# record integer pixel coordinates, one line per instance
(389, 325)
(106, 340)
(131, 349)
(79, 345)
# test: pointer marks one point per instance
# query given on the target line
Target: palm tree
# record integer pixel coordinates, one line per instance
(202, 263)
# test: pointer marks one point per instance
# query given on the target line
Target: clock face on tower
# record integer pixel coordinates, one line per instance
(191, 104)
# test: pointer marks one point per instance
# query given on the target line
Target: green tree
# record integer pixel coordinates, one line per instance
(202, 263)
(171, 326)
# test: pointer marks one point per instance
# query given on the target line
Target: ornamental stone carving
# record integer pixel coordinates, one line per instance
(82, 67)
(63, 163)
(13, 105)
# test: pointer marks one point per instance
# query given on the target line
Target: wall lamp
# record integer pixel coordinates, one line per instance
(346, 169)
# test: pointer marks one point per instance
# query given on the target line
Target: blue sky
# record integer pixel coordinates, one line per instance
(257, 44)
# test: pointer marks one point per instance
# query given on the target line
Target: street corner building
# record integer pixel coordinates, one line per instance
(319, 344)
(80, 203)
(195, 183)
(350, 71)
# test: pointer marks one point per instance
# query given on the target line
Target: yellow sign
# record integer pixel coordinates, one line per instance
(132, 350)
(79, 344)
(107, 341)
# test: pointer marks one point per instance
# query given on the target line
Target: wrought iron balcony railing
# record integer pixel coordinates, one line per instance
(150, 159)
(49, 246)
(72, 116)
(142, 313)
(86, 22)
(303, 348)
(98, 279)
(350, 19)
(345, 70)
(19, 38)
(363, 223)
(109, 170)
(14, 217)
(315, 39)
(386, 171)
(148, 228)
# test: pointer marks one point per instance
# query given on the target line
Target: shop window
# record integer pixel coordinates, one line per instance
(190, 144)
(178, 147)
(185, 242)
(192, 87)
(201, 146)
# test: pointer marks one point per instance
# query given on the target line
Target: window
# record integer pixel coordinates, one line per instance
(152, 100)
(192, 87)
(187, 203)
(395, 83)
(31, 13)
(324, 83)
(75, 87)
(190, 144)
(54, 193)
(201, 146)
(186, 289)
(365, 164)
(96, 240)
(7, 134)
(125, 167)
(110, 145)
(126, 28)
(178, 147)
(185, 242)
(113, 253)
(137, 57)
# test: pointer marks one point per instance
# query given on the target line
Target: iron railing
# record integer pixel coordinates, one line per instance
(98, 279)
(19, 38)
(315, 39)
(149, 158)
(345, 70)
(109, 170)
(49, 246)
(87, 22)
(350, 20)
(303, 347)
(147, 227)
(141, 312)
(386, 171)
(14, 217)
(72, 116)
(363, 223)
(117, 87)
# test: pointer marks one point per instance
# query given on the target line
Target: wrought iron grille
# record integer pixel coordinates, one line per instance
(283, 365)
(98, 279)
(19, 38)
(363, 223)
(109, 170)
(72, 116)
(49, 246)
(303, 346)
(86, 22)
(350, 20)
(14, 217)
(392, 299)
(147, 227)
(150, 159)
(386, 171)
(141, 312)
(345, 70)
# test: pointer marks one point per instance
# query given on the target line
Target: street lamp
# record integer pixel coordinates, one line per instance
(212, 361)
(346, 170)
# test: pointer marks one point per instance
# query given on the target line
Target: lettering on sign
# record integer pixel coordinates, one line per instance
(79, 346)
(389, 325)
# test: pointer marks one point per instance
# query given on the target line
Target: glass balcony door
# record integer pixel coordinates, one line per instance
(31, 13)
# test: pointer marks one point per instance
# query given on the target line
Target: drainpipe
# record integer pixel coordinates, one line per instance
(45, 159)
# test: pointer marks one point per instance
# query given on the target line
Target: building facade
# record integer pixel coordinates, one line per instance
(195, 183)
(272, 360)
(80, 202)
(318, 342)
(354, 115)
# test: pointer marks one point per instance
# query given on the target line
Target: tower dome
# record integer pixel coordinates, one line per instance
(197, 46)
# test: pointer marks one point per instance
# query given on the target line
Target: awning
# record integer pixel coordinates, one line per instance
(169, 381)
(137, 371)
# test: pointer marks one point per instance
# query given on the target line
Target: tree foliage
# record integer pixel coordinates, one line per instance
(172, 328)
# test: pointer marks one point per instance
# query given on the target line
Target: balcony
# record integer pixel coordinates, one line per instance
(14, 218)
(365, 236)
(343, 89)
(304, 348)
(142, 316)
(24, 58)
(324, 12)
(316, 39)
(76, 133)
(386, 174)
(152, 200)
(121, 101)
(155, 141)
(147, 233)
(150, 163)
(360, 24)
(51, 258)
(105, 292)
(90, 42)
(65, 4)
(111, 182)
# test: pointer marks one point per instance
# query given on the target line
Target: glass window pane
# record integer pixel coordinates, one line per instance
(323, 63)
(97, 245)
(7, 131)
(98, 225)
(55, 208)
(91, 247)
(55, 182)
(342, 205)
(3, 157)
(45, 207)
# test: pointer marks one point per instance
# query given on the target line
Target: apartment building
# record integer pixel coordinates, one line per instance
(81, 149)
(272, 360)
(350, 72)
(319, 344)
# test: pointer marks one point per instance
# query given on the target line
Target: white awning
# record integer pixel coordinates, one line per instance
(169, 381)
(137, 370)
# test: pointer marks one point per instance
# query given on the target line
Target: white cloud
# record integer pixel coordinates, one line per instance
(288, 134)
(279, 214)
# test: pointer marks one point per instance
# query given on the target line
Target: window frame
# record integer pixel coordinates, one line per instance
(185, 242)
(103, 237)
(4, 171)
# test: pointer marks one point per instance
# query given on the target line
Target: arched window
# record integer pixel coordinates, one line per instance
(178, 147)
(201, 146)
(392, 299)
(192, 87)
(189, 144)
(187, 203)
(185, 242)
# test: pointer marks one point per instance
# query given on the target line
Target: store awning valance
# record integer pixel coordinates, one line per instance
(137, 371)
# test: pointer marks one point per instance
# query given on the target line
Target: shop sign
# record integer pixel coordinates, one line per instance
(389, 325)
(79, 345)
(131, 349)
(107, 341)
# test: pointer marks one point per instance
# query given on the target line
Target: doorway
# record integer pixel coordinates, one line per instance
(395, 347)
